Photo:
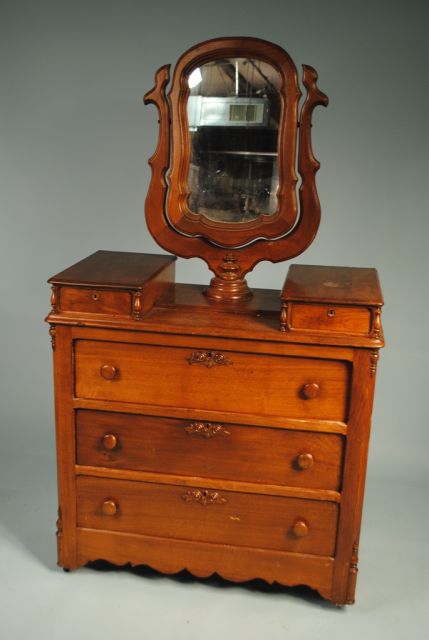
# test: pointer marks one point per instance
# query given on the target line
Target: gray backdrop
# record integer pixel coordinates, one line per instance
(74, 143)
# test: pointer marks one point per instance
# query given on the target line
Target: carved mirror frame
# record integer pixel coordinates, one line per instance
(232, 250)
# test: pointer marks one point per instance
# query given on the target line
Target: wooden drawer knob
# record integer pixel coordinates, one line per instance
(300, 529)
(109, 507)
(110, 441)
(310, 390)
(108, 371)
(304, 461)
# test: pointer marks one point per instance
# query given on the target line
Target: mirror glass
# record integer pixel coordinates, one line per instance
(233, 112)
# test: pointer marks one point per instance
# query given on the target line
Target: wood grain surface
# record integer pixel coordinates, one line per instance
(211, 450)
(162, 375)
(200, 514)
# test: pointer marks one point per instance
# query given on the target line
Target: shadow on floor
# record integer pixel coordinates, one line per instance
(184, 577)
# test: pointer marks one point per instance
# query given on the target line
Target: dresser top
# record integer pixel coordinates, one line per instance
(341, 285)
(118, 269)
(166, 307)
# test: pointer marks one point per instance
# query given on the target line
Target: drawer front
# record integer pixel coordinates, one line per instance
(183, 447)
(95, 301)
(198, 514)
(339, 318)
(231, 381)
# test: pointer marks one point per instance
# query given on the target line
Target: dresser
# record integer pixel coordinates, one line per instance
(217, 430)
(208, 439)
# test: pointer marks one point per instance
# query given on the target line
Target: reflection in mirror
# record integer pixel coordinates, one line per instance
(233, 117)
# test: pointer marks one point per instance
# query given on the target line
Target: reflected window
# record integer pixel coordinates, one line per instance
(233, 117)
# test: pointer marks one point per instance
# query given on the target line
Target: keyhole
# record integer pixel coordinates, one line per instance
(331, 313)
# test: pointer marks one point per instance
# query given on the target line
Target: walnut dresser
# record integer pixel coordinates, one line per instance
(218, 430)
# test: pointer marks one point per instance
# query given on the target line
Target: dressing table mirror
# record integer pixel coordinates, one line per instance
(214, 428)
(224, 183)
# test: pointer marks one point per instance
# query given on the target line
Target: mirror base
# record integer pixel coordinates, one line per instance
(228, 290)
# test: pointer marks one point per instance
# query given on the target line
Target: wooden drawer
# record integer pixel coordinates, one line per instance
(101, 301)
(232, 381)
(337, 318)
(225, 517)
(235, 452)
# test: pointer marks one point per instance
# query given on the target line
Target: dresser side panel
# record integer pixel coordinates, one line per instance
(65, 444)
(355, 462)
